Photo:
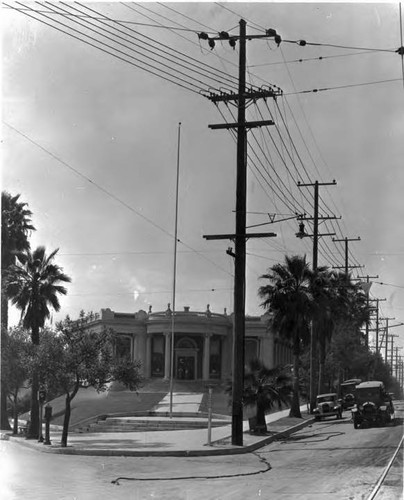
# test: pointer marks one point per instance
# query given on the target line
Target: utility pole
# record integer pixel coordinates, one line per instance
(387, 338)
(367, 288)
(346, 266)
(240, 235)
(397, 364)
(316, 235)
(377, 320)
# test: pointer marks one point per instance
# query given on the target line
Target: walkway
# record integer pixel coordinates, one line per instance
(171, 443)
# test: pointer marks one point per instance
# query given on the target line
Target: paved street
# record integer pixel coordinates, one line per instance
(327, 460)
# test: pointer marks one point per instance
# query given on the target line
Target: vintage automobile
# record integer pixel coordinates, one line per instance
(327, 405)
(373, 405)
(347, 391)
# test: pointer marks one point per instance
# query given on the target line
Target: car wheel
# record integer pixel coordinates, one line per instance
(356, 425)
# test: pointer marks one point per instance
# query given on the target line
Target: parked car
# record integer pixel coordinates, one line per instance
(373, 406)
(327, 405)
(347, 391)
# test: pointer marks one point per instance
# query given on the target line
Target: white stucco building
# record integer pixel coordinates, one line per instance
(202, 342)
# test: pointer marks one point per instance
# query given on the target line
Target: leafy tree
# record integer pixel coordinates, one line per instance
(265, 388)
(341, 304)
(347, 351)
(16, 355)
(288, 296)
(34, 287)
(78, 357)
(15, 229)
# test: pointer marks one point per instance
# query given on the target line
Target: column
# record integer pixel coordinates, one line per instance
(206, 357)
(167, 356)
(147, 365)
(134, 353)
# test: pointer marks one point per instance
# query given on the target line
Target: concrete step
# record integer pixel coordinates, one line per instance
(141, 425)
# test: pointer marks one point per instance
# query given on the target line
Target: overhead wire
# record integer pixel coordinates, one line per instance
(111, 195)
(347, 86)
(165, 76)
(157, 51)
(337, 46)
(215, 54)
(123, 21)
(306, 59)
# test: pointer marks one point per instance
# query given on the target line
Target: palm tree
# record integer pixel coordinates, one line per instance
(288, 297)
(15, 229)
(264, 388)
(34, 287)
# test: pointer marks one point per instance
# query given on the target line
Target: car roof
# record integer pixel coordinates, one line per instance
(352, 381)
(328, 394)
(371, 383)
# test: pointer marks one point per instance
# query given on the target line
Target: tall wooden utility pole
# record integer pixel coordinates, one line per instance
(315, 236)
(367, 289)
(346, 266)
(240, 236)
(377, 320)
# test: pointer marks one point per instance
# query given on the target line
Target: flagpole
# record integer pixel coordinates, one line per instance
(174, 272)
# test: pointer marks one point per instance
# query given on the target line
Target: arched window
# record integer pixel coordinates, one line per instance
(186, 343)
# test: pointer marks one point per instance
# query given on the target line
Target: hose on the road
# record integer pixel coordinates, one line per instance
(180, 478)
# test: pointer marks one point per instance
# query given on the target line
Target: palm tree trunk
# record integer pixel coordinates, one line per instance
(295, 406)
(33, 431)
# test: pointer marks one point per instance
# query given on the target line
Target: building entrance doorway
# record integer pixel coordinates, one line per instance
(186, 367)
(186, 360)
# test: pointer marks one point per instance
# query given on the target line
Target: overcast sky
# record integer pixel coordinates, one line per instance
(90, 140)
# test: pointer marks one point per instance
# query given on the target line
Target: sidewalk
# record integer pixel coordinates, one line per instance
(169, 443)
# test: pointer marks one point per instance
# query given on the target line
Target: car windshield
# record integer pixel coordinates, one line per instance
(368, 394)
(326, 399)
(347, 389)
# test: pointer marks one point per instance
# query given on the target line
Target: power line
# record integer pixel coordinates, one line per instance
(343, 86)
(122, 21)
(139, 292)
(388, 284)
(303, 43)
(170, 78)
(319, 58)
(113, 196)
(136, 48)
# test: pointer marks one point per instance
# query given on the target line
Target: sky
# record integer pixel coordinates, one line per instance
(91, 139)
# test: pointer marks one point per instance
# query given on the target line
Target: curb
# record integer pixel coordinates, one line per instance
(160, 453)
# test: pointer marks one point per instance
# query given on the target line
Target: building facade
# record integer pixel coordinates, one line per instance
(203, 342)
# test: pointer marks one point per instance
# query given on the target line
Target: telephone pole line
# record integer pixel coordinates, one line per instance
(240, 235)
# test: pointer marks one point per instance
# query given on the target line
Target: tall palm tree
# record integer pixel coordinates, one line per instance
(288, 297)
(34, 287)
(15, 229)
